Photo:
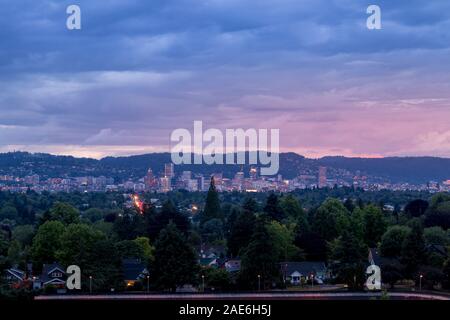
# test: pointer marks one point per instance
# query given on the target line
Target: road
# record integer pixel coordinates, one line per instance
(251, 296)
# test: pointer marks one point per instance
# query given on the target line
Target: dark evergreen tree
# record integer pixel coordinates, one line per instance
(446, 271)
(212, 208)
(273, 208)
(349, 256)
(260, 258)
(175, 261)
(391, 273)
(374, 225)
(413, 248)
(292, 208)
(250, 205)
(314, 246)
(241, 233)
(438, 214)
(231, 219)
(349, 205)
(156, 221)
(416, 208)
(129, 225)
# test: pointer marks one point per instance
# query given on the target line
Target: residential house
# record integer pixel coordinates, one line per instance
(52, 275)
(297, 272)
(207, 251)
(134, 271)
(14, 276)
(233, 265)
(209, 262)
(375, 258)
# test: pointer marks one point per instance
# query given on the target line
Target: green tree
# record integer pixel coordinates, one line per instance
(273, 208)
(349, 257)
(64, 212)
(93, 214)
(436, 236)
(47, 243)
(24, 234)
(392, 240)
(128, 249)
(9, 213)
(260, 258)
(391, 273)
(4, 245)
(231, 220)
(446, 274)
(250, 205)
(156, 221)
(331, 219)
(105, 267)
(147, 249)
(15, 253)
(438, 214)
(292, 208)
(128, 226)
(217, 279)
(175, 261)
(413, 248)
(77, 244)
(374, 225)
(241, 232)
(105, 227)
(93, 253)
(432, 276)
(349, 204)
(416, 208)
(357, 222)
(138, 248)
(282, 237)
(212, 208)
(212, 230)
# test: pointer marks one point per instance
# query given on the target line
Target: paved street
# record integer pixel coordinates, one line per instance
(252, 296)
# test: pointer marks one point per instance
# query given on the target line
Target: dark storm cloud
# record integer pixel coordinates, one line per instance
(139, 69)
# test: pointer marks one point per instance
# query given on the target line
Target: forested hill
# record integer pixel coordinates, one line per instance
(409, 169)
(396, 169)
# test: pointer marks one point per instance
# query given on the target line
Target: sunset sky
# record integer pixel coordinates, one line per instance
(139, 69)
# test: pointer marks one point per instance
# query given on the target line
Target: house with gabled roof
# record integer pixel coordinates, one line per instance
(14, 276)
(53, 275)
(233, 265)
(296, 272)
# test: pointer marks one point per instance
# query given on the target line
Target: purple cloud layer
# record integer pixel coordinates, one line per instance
(140, 69)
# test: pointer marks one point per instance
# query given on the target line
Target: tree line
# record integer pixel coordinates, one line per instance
(260, 230)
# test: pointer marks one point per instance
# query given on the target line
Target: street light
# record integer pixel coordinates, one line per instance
(259, 282)
(420, 282)
(148, 284)
(312, 281)
(90, 284)
(203, 283)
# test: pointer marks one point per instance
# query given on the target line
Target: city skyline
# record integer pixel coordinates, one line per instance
(136, 71)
